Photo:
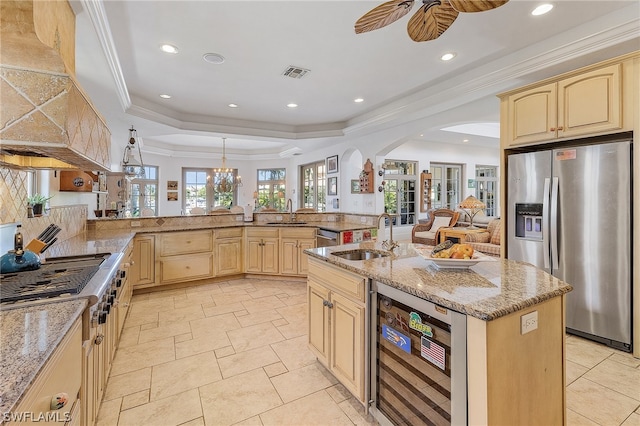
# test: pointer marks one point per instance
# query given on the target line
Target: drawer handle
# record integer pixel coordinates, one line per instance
(59, 400)
(553, 129)
(560, 128)
(99, 339)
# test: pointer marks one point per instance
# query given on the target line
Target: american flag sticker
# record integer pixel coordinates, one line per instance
(432, 352)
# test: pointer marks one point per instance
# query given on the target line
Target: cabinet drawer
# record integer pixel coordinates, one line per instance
(298, 232)
(62, 373)
(186, 242)
(344, 282)
(185, 268)
(263, 232)
(228, 232)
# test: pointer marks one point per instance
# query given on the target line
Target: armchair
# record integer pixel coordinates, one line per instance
(428, 233)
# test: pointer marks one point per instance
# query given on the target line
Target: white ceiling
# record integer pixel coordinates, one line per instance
(120, 65)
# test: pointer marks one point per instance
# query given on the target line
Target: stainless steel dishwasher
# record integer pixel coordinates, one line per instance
(326, 238)
(418, 361)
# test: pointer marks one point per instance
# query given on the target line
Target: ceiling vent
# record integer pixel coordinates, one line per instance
(295, 72)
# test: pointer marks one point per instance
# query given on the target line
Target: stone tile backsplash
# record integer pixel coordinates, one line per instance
(13, 208)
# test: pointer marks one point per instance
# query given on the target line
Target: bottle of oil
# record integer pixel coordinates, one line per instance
(18, 242)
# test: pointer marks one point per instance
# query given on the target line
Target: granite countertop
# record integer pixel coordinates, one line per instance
(488, 290)
(29, 337)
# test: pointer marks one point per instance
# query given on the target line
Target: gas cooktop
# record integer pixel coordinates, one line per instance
(56, 277)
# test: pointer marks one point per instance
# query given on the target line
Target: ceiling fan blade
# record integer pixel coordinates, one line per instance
(431, 20)
(471, 6)
(383, 15)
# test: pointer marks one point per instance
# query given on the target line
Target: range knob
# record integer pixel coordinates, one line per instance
(102, 317)
(123, 273)
(119, 282)
(110, 300)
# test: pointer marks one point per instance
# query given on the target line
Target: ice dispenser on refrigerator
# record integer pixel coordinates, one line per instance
(528, 221)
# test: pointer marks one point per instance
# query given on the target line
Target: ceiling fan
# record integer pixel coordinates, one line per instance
(429, 22)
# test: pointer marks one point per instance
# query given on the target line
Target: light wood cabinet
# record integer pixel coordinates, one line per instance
(227, 250)
(61, 373)
(293, 243)
(185, 256)
(425, 191)
(336, 314)
(583, 104)
(262, 249)
(124, 289)
(143, 270)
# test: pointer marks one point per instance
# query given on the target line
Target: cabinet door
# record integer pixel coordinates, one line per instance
(289, 256)
(590, 102)
(532, 115)
(303, 258)
(347, 343)
(317, 297)
(143, 271)
(253, 256)
(228, 256)
(270, 251)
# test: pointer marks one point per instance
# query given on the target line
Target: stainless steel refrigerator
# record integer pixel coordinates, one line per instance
(569, 213)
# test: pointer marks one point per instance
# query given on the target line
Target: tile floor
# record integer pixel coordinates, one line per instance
(235, 353)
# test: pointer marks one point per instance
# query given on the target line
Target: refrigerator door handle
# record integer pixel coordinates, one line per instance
(554, 224)
(545, 223)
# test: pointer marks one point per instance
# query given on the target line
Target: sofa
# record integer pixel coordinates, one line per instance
(428, 232)
(487, 242)
(480, 220)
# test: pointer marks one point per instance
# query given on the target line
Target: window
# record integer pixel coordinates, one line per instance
(144, 192)
(271, 188)
(487, 187)
(314, 186)
(208, 189)
(446, 185)
(400, 196)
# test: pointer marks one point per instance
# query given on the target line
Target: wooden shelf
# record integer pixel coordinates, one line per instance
(366, 178)
(425, 191)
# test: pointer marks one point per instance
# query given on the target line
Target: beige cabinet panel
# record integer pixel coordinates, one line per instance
(144, 260)
(262, 250)
(303, 258)
(61, 373)
(186, 268)
(337, 323)
(228, 256)
(318, 318)
(347, 343)
(253, 256)
(532, 115)
(289, 256)
(293, 242)
(590, 102)
(270, 252)
(175, 243)
(586, 103)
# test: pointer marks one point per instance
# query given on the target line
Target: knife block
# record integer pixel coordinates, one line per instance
(35, 246)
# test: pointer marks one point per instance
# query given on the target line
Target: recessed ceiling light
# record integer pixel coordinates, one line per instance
(465, 140)
(292, 105)
(213, 58)
(165, 96)
(542, 9)
(448, 56)
(358, 100)
(169, 48)
(233, 106)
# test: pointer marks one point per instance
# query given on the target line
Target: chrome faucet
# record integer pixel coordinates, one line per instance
(388, 244)
(289, 208)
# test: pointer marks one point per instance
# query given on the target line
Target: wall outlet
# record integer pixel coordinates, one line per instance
(135, 223)
(528, 322)
(363, 219)
(278, 218)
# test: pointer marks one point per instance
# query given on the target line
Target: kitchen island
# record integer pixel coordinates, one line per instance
(513, 376)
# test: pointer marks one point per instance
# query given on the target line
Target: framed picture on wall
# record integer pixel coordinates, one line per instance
(332, 186)
(332, 164)
(172, 196)
(355, 186)
(172, 185)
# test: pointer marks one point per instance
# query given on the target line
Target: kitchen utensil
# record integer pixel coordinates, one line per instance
(55, 232)
(50, 230)
(18, 259)
(49, 244)
(43, 233)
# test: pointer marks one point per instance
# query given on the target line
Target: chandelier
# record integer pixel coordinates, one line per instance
(224, 179)
(132, 164)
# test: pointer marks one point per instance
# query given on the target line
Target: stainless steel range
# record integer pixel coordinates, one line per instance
(85, 276)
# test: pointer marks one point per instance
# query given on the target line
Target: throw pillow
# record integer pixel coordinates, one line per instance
(480, 237)
(439, 222)
(495, 237)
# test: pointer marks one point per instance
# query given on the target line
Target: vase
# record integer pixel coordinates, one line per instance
(37, 209)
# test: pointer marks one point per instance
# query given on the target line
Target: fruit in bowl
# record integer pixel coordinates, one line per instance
(455, 251)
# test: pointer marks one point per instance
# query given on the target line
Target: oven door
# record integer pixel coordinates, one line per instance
(418, 367)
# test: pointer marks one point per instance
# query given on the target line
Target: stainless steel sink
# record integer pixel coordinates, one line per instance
(360, 254)
(286, 223)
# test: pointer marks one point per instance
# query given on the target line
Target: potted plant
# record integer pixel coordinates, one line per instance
(37, 202)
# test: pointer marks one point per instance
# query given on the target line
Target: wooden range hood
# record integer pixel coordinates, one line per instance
(46, 120)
